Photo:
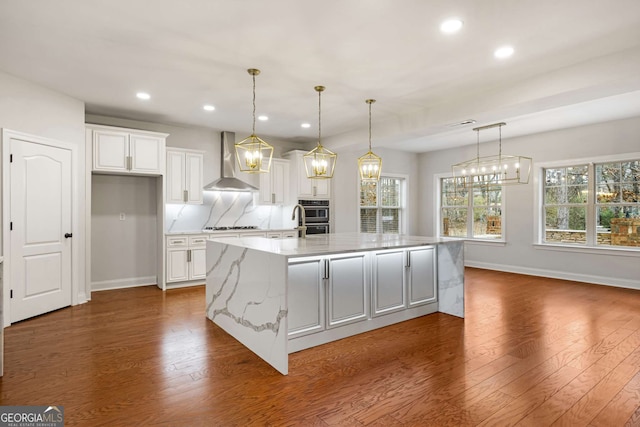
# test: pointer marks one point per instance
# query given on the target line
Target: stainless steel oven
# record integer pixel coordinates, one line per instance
(317, 216)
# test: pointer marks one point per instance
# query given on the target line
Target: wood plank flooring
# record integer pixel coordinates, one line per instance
(531, 352)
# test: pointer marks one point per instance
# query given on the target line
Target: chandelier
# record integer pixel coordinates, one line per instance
(253, 153)
(370, 165)
(498, 169)
(320, 162)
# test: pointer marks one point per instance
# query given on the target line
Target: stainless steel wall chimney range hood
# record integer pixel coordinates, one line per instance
(228, 181)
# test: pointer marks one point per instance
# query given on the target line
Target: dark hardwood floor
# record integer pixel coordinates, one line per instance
(531, 352)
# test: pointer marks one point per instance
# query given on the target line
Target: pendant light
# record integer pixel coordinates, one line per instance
(492, 170)
(253, 153)
(370, 165)
(319, 163)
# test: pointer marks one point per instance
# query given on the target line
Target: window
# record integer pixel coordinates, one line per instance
(565, 204)
(594, 204)
(381, 205)
(470, 212)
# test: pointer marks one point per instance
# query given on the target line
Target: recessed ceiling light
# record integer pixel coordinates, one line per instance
(503, 52)
(305, 125)
(143, 95)
(451, 26)
(209, 108)
(263, 118)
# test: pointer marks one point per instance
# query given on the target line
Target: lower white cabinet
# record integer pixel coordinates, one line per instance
(186, 258)
(346, 289)
(306, 296)
(287, 234)
(421, 277)
(326, 292)
(388, 281)
(330, 291)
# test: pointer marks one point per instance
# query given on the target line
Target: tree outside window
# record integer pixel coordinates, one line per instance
(471, 212)
(381, 205)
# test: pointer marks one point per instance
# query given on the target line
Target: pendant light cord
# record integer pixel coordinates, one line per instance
(319, 117)
(254, 105)
(370, 126)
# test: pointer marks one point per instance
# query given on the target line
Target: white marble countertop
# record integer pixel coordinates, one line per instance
(238, 231)
(329, 243)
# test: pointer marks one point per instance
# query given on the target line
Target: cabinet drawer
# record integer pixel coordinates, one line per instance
(274, 235)
(177, 242)
(290, 234)
(197, 241)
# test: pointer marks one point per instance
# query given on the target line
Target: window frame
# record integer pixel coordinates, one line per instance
(591, 245)
(402, 217)
(437, 180)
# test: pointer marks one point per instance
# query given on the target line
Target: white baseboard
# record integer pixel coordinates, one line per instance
(131, 282)
(188, 284)
(554, 274)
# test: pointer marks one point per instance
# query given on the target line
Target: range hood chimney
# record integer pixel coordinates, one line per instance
(228, 181)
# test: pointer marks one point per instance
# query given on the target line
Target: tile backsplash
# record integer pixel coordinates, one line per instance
(224, 209)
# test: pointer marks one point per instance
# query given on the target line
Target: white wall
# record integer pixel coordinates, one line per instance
(519, 254)
(345, 186)
(33, 109)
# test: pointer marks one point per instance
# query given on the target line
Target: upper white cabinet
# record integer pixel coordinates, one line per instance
(274, 186)
(303, 187)
(127, 151)
(184, 176)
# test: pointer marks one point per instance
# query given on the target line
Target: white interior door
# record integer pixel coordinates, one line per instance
(40, 219)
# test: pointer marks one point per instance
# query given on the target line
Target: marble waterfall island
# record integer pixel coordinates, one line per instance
(279, 296)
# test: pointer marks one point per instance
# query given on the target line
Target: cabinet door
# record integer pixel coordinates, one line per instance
(175, 177)
(421, 284)
(177, 265)
(110, 151)
(347, 289)
(147, 154)
(388, 281)
(193, 177)
(274, 186)
(198, 264)
(321, 189)
(305, 297)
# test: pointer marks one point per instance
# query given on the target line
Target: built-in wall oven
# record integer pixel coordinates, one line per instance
(317, 216)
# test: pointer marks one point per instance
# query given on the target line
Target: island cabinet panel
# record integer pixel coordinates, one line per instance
(346, 289)
(388, 279)
(306, 296)
(421, 278)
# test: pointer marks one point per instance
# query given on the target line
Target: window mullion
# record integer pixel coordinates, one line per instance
(591, 206)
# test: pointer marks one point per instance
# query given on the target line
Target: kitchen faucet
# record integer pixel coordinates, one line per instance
(303, 227)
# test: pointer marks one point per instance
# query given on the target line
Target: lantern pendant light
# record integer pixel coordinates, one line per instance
(370, 165)
(320, 162)
(253, 153)
(498, 169)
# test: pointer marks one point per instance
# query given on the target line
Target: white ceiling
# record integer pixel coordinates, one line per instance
(575, 62)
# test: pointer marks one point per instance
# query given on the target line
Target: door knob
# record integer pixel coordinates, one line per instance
(67, 235)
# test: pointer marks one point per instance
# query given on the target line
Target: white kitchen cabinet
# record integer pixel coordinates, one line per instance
(274, 186)
(421, 277)
(306, 296)
(184, 176)
(347, 289)
(287, 234)
(388, 281)
(303, 187)
(326, 292)
(127, 151)
(186, 258)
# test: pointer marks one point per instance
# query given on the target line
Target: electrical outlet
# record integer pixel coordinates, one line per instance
(122, 216)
